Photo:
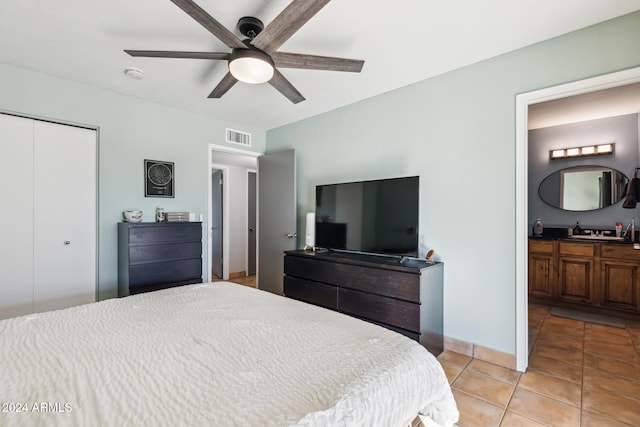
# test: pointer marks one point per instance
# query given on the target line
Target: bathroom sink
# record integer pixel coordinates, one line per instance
(594, 237)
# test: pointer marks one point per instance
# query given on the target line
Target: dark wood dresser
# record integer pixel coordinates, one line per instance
(158, 255)
(406, 297)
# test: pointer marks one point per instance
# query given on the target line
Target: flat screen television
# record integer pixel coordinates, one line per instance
(379, 216)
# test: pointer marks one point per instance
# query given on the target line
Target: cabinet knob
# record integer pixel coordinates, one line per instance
(67, 242)
(291, 235)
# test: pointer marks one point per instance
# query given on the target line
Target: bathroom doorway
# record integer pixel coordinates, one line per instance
(523, 103)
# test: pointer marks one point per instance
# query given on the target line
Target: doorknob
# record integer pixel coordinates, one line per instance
(291, 235)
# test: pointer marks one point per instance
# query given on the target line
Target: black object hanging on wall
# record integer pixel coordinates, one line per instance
(158, 178)
(633, 192)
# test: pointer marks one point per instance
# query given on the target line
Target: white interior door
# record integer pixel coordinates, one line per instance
(64, 216)
(276, 217)
(16, 216)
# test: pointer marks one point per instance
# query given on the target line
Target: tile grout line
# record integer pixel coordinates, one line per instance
(584, 338)
(584, 368)
(515, 387)
(547, 316)
(506, 408)
(589, 334)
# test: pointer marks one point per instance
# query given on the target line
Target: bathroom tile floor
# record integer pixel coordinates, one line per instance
(580, 374)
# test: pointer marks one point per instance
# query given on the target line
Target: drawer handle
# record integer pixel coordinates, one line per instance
(291, 235)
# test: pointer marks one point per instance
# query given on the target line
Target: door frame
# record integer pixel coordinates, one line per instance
(247, 172)
(213, 168)
(523, 101)
(225, 209)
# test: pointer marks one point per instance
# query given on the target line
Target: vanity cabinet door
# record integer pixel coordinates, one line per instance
(543, 275)
(576, 272)
(620, 285)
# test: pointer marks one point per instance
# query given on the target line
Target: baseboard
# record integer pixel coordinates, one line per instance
(479, 352)
(237, 275)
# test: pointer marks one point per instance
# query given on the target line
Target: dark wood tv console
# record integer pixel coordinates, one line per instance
(403, 295)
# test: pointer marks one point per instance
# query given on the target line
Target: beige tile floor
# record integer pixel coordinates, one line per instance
(580, 374)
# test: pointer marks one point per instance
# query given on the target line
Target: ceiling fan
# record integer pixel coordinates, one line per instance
(256, 59)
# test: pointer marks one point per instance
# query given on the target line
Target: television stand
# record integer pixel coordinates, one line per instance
(400, 293)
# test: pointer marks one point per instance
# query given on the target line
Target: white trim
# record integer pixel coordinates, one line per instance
(225, 219)
(522, 106)
(225, 236)
(225, 149)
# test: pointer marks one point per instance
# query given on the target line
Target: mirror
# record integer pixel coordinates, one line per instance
(583, 188)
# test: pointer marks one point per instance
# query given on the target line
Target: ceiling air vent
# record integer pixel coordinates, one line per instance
(238, 137)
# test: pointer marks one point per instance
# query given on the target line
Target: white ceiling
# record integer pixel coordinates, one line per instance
(402, 42)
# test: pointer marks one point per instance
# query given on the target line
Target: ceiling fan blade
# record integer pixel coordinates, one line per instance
(178, 54)
(283, 26)
(285, 87)
(225, 84)
(314, 62)
(207, 21)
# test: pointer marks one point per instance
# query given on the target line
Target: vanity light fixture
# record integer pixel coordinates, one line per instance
(588, 150)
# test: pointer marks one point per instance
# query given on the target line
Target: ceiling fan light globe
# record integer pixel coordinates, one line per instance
(250, 66)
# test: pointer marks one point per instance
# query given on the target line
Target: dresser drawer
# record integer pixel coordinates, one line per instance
(409, 334)
(578, 249)
(165, 272)
(163, 232)
(391, 311)
(312, 292)
(373, 280)
(311, 269)
(164, 252)
(541, 246)
(382, 282)
(618, 251)
(151, 288)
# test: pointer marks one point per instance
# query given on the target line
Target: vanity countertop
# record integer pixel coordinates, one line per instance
(561, 233)
(584, 238)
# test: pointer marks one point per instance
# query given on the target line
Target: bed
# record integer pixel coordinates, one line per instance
(216, 354)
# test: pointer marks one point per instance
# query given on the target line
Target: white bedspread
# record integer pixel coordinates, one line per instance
(213, 354)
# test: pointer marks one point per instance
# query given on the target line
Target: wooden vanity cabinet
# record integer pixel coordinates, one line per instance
(620, 277)
(595, 276)
(542, 269)
(576, 272)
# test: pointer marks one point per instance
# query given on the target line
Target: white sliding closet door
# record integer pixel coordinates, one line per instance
(48, 218)
(64, 216)
(16, 216)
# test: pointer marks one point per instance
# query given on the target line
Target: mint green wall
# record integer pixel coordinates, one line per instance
(130, 130)
(457, 131)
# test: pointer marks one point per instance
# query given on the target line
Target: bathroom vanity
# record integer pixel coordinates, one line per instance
(593, 275)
